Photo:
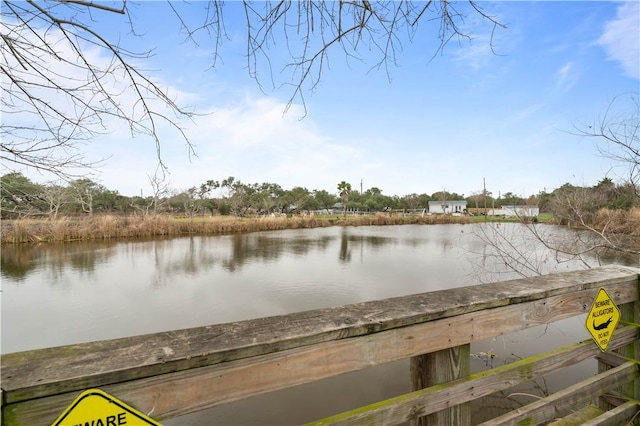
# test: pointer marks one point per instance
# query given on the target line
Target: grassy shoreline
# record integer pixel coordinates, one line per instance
(107, 227)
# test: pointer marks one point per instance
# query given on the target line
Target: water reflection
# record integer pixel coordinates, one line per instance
(248, 248)
(345, 253)
(19, 261)
(183, 256)
(372, 242)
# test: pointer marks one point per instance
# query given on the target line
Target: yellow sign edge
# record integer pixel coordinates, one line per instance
(586, 324)
(110, 398)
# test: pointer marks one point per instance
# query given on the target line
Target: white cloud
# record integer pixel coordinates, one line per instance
(253, 141)
(621, 38)
(566, 77)
(475, 54)
(487, 41)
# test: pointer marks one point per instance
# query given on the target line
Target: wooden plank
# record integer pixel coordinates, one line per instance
(578, 418)
(610, 359)
(545, 409)
(464, 317)
(617, 416)
(442, 367)
(406, 407)
(180, 393)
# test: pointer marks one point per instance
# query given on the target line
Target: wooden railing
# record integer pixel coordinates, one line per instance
(183, 371)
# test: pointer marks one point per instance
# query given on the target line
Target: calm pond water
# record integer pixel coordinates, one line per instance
(70, 293)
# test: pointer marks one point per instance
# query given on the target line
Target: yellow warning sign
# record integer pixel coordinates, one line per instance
(603, 319)
(97, 408)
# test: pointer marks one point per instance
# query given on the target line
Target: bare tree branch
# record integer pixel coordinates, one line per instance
(604, 219)
(51, 77)
(57, 94)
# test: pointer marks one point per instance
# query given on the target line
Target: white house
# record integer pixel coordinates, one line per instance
(521, 211)
(447, 207)
(496, 212)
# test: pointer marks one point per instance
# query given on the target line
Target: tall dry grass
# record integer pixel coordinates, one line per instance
(618, 221)
(109, 226)
(633, 222)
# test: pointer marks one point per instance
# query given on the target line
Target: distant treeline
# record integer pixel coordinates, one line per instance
(23, 198)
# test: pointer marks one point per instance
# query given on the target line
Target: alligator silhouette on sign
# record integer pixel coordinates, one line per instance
(603, 325)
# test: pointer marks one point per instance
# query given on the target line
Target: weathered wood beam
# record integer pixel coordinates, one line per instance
(578, 418)
(616, 416)
(423, 402)
(546, 409)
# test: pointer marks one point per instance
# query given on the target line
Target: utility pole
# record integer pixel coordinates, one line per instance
(484, 194)
(360, 186)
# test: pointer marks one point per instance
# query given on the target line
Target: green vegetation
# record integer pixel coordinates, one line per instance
(542, 218)
(22, 198)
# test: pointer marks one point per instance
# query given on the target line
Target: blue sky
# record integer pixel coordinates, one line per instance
(431, 123)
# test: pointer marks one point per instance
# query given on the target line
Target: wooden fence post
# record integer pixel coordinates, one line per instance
(440, 367)
(630, 312)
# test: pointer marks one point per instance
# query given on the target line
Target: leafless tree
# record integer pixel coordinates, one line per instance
(56, 196)
(508, 250)
(159, 190)
(443, 197)
(477, 196)
(58, 95)
(618, 134)
(411, 201)
(597, 231)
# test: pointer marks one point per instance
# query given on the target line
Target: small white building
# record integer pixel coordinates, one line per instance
(447, 207)
(521, 211)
